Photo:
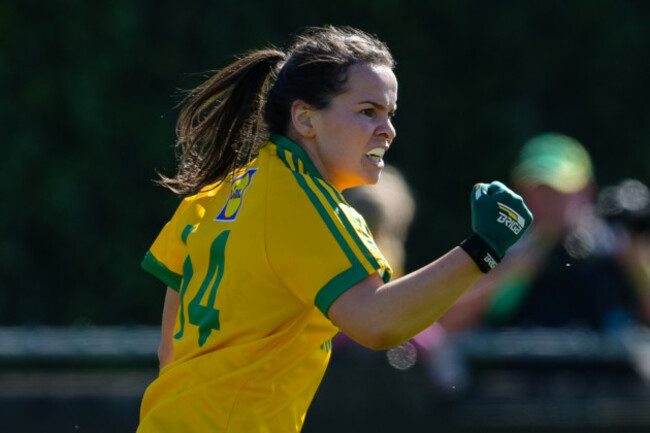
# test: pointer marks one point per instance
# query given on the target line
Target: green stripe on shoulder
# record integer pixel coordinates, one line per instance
(160, 271)
(357, 272)
(322, 211)
(334, 198)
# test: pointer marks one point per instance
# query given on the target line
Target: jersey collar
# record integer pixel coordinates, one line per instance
(287, 144)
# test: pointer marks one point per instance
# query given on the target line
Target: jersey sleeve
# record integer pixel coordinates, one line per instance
(164, 260)
(317, 245)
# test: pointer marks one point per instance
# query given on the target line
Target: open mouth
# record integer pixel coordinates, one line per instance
(376, 155)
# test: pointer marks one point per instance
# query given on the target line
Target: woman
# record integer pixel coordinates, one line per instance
(264, 259)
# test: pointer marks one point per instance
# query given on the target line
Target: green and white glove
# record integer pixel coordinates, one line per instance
(499, 218)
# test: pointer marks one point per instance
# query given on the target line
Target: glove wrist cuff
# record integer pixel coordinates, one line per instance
(483, 255)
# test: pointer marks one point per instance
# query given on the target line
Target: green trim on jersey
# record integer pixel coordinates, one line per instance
(300, 178)
(160, 271)
(186, 232)
(284, 143)
(337, 286)
(346, 222)
(340, 283)
(298, 154)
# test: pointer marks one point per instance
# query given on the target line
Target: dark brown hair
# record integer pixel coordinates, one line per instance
(225, 119)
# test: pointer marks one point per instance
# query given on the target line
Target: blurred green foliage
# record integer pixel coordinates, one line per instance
(88, 110)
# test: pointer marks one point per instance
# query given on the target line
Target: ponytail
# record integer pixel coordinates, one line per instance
(225, 120)
(220, 124)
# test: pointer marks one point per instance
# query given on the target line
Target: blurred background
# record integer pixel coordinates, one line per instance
(87, 118)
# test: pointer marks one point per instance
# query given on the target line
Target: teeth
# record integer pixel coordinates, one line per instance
(377, 152)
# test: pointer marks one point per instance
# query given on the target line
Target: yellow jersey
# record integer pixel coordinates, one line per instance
(257, 259)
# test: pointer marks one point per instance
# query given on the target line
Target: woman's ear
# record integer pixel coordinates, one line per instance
(301, 116)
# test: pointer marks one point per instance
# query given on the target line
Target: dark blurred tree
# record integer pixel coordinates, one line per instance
(87, 116)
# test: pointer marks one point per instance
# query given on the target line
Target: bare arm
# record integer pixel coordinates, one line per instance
(470, 309)
(170, 310)
(380, 316)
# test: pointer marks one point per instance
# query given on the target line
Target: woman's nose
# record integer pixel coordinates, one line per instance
(387, 130)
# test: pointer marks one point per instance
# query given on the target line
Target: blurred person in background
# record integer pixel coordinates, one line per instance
(626, 206)
(573, 268)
